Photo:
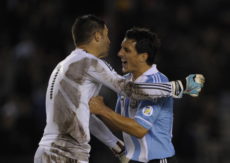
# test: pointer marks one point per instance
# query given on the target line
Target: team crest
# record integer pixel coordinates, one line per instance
(147, 111)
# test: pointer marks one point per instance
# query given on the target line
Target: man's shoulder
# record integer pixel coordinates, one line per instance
(158, 77)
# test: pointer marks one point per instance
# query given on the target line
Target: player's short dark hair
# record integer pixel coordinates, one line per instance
(146, 42)
(84, 27)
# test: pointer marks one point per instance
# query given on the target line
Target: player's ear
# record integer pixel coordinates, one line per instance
(97, 36)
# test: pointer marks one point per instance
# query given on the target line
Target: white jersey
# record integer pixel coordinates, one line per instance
(72, 83)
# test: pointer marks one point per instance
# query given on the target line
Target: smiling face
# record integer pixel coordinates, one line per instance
(131, 61)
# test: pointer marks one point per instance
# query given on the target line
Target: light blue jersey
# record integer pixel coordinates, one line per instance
(156, 116)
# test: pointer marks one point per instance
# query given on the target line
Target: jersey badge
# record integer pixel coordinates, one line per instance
(147, 111)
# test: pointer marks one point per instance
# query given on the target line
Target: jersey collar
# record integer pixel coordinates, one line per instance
(150, 71)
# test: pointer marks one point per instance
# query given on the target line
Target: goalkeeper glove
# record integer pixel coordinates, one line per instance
(194, 83)
(119, 150)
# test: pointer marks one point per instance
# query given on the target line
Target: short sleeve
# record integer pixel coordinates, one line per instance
(147, 113)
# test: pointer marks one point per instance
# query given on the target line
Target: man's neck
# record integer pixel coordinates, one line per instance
(89, 49)
(140, 71)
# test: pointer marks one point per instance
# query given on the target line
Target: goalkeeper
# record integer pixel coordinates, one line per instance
(146, 124)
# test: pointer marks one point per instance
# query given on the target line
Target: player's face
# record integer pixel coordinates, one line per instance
(104, 43)
(129, 56)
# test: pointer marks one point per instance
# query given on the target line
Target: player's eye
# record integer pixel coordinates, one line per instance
(127, 50)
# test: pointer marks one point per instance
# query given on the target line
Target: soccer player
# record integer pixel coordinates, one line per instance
(146, 124)
(75, 80)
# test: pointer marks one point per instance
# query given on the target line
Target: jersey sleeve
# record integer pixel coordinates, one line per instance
(147, 113)
(100, 72)
(102, 132)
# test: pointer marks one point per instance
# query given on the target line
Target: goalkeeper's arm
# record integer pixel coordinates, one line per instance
(102, 133)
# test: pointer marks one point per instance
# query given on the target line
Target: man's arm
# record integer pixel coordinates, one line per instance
(103, 74)
(122, 123)
(102, 133)
(109, 124)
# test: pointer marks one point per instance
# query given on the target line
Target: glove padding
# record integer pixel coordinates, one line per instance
(119, 151)
(194, 83)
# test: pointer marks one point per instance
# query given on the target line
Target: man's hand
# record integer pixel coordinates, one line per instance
(194, 83)
(96, 104)
(119, 149)
(119, 152)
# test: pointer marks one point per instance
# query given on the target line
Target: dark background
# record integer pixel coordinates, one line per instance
(35, 35)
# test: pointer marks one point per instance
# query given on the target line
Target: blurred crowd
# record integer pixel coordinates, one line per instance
(36, 34)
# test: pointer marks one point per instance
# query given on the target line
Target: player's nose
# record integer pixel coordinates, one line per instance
(120, 53)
